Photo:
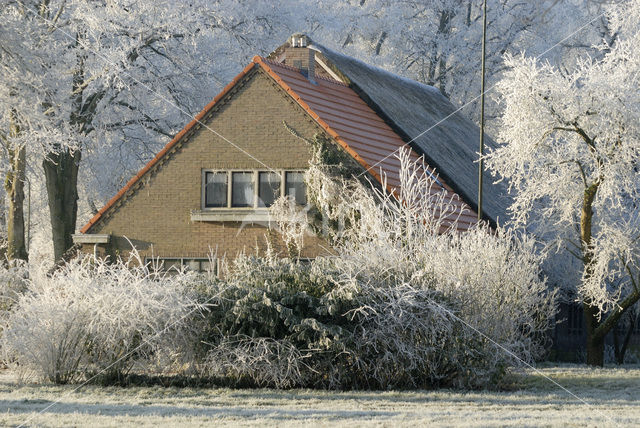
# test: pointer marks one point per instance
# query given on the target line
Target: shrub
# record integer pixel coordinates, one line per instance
(13, 283)
(406, 301)
(92, 317)
(267, 311)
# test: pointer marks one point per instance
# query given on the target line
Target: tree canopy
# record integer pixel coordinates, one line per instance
(570, 151)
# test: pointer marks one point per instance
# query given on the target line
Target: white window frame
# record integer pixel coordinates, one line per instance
(183, 261)
(283, 182)
(203, 186)
(256, 190)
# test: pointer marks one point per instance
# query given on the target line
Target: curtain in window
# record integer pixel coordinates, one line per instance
(294, 186)
(216, 189)
(242, 189)
(268, 188)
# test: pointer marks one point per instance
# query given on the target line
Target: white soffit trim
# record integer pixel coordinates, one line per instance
(326, 68)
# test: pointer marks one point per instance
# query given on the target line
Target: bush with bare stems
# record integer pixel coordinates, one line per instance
(94, 317)
(401, 304)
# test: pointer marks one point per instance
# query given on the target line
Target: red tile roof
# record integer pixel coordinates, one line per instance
(341, 113)
(355, 126)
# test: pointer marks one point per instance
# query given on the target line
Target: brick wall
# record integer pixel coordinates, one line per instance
(301, 58)
(156, 217)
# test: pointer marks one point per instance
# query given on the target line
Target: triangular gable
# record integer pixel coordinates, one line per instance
(167, 148)
(338, 110)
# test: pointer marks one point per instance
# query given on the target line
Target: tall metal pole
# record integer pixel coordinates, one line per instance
(481, 164)
(27, 245)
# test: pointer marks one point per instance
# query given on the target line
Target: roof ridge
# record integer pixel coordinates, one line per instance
(399, 77)
(292, 68)
(317, 117)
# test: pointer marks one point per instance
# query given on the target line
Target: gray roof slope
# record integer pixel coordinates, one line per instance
(451, 146)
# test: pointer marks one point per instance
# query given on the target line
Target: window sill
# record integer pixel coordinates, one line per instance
(89, 238)
(241, 215)
(238, 215)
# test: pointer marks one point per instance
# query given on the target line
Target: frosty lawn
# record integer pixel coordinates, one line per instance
(612, 394)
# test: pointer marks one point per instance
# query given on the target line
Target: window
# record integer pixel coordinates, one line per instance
(215, 194)
(176, 264)
(294, 186)
(251, 189)
(242, 189)
(169, 264)
(268, 188)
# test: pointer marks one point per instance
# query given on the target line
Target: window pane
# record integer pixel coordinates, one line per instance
(193, 265)
(268, 188)
(215, 194)
(294, 186)
(170, 264)
(242, 189)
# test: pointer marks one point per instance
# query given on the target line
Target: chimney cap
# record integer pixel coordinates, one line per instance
(299, 40)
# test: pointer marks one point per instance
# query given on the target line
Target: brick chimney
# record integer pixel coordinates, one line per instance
(299, 55)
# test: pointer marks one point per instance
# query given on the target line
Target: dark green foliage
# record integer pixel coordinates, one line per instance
(279, 300)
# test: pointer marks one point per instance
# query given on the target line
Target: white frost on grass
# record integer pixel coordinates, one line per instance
(612, 394)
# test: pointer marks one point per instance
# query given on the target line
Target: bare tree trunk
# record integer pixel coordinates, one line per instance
(444, 28)
(14, 185)
(61, 176)
(380, 41)
(620, 349)
(61, 167)
(595, 343)
(597, 326)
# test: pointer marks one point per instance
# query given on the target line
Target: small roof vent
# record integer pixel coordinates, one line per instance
(299, 40)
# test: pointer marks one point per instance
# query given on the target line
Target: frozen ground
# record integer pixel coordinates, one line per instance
(612, 394)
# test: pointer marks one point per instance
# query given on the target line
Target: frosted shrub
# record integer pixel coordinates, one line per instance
(273, 323)
(92, 317)
(398, 338)
(405, 302)
(260, 361)
(13, 283)
(280, 323)
(491, 278)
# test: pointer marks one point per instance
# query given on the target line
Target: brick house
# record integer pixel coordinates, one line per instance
(210, 187)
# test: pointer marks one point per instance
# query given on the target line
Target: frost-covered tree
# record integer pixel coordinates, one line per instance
(94, 78)
(21, 79)
(570, 151)
(104, 84)
(110, 81)
(438, 42)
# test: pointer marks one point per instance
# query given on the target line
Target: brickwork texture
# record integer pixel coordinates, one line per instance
(156, 216)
